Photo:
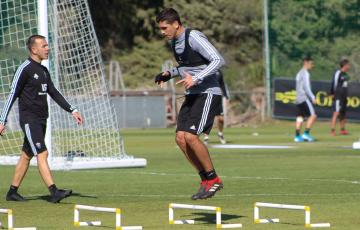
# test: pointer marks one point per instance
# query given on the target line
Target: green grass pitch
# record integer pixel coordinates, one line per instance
(324, 175)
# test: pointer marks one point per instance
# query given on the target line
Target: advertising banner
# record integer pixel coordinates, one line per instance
(285, 96)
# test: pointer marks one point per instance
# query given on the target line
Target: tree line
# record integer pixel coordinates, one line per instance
(127, 32)
(328, 30)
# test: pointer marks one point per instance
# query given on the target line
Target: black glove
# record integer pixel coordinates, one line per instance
(160, 78)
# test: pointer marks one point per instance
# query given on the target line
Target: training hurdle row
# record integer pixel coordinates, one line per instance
(10, 223)
(117, 211)
(173, 206)
(258, 220)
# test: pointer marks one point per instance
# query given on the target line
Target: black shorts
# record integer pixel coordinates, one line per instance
(34, 140)
(197, 113)
(340, 105)
(220, 110)
(305, 109)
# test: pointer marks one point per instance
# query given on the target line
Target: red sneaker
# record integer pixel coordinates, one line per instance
(201, 190)
(344, 132)
(212, 186)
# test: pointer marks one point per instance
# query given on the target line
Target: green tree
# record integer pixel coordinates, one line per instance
(128, 33)
(119, 22)
(326, 30)
(235, 27)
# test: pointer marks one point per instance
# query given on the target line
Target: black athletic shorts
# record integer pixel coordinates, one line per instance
(305, 109)
(34, 140)
(220, 109)
(197, 113)
(340, 105)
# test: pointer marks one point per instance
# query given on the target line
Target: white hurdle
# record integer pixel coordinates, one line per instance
(258, 220)
(173, 206)
(9, 216)
(356, 145)
(117, 211)
(10, 224)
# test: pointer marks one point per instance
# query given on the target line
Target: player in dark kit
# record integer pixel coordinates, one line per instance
(339, 91)
(32, 84)
(219, 118)
(198, 62)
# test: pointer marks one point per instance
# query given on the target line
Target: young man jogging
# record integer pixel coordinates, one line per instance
(339, 92)
(31, 85)
(304, 102)
(198, 62)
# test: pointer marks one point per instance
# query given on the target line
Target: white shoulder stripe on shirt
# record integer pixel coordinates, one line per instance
(12, 91)
(211, 51)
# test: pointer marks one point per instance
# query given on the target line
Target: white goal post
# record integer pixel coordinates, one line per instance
(78, 72)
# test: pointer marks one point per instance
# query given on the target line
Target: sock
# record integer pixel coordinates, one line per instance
(307, 130)
(210, 175)
(52, 188)
(13, 189)
(297, 132)
(343, 129)
(202, 175)
(220, 133)
(332, 130)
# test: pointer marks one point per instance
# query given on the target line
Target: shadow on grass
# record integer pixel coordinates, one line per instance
(47, 197)
(210, 218)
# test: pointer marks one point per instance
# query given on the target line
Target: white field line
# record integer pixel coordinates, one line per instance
(237, 177)
(223, 196)
(230, 146)
(230, 195)
(236, 195)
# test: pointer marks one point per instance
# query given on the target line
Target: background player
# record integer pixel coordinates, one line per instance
(339, 91)
(219, 119)
(304, 102)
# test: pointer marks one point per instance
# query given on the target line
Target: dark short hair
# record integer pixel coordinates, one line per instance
(307, 58)
(169, 15)
(31, 40)
(344, 62)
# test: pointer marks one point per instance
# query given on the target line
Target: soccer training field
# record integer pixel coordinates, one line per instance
(324, 175)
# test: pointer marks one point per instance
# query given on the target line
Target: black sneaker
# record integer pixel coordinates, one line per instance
(67, 192)
(201, 190)
(212, 186)
(14, 197)
(57, 196)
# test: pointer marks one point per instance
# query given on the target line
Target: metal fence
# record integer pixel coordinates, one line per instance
(159, 108)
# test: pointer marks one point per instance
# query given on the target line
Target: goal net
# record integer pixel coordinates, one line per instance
(77, 70)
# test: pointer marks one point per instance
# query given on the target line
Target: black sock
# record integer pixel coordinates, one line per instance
(52, 188)
(210, 175)
(13, 189)
(332, 130)
(343, 129)
(307, 131)
(202, 175)
(297, 132)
